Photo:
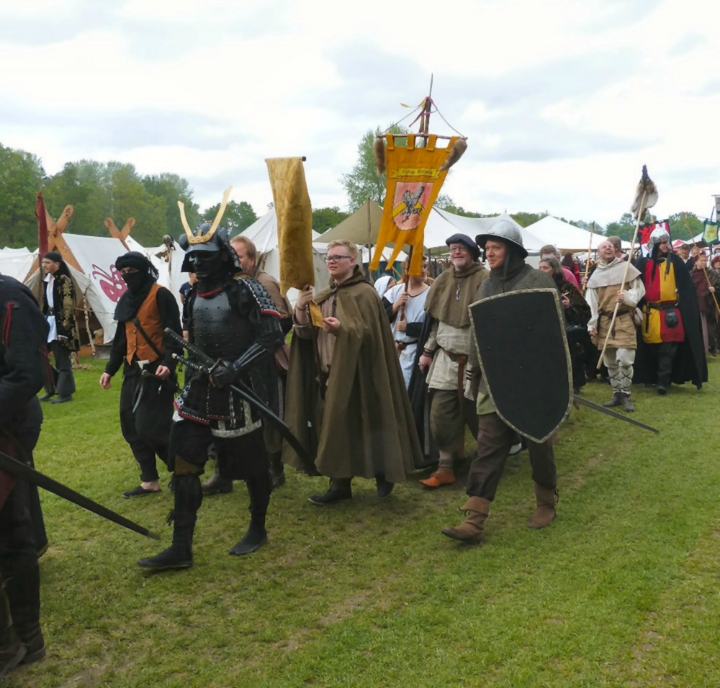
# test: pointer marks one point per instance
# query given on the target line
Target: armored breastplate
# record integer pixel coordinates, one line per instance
(218, 330)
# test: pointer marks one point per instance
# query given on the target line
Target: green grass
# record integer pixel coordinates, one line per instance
(622, 589)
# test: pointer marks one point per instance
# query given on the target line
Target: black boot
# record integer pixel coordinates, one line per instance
(339, 489)
(384, 487)
(259, 489)
(615, 401)
(23, 592)
(12, 650)
(277, 470)
(217, 484)
(188, 498)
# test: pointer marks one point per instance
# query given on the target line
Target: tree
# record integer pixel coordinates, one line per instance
(363, 182)
(21, 176)
(236, 218)
(173, 188)
(624, 228)
(527, 219)
(327, 218)
(685, 225)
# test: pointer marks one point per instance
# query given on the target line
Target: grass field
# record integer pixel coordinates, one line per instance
(622, 589)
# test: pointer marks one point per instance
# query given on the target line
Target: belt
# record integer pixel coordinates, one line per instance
(401, 346)
(461, 360)
(660, 306)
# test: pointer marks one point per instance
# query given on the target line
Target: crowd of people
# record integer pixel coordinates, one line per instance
(378, 381)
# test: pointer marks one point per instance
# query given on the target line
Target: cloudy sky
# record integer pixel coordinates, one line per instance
(562, 101)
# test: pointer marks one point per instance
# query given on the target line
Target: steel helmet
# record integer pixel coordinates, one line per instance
(505, 230)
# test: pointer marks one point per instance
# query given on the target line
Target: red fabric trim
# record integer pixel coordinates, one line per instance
(206, 294)
(265, 311)
(6, 325)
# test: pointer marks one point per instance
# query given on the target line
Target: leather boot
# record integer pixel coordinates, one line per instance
(615, 401)
(627, 403)
(471, 529)
(339, 489)
(259, 489)
(545, 499)
(384, 487)
(438, 479)
(277, 470)
(188, 498)
(217, 484)
(23, 592)
(12, 650)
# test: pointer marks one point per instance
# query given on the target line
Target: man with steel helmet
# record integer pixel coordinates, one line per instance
(446, 354)
(231, 319)
(505, 256)
(671, 348)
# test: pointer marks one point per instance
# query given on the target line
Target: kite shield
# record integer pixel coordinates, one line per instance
(525, 361)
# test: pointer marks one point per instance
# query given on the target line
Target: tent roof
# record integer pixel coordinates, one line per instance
(563, 235)
(355, 228)
(264, 233)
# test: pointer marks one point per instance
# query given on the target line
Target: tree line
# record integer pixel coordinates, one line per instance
(97, 190)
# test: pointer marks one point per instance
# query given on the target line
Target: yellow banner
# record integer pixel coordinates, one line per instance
(414, 181)
(294, 222)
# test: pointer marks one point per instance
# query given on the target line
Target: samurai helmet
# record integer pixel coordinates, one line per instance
(507, 232)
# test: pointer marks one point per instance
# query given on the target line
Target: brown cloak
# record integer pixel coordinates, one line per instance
(364, 426)
(451, 295)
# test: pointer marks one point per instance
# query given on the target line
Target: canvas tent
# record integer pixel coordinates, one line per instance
(563, 235)
(16, 262)
(263, 233)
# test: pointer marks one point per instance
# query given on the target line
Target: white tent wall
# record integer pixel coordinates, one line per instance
(16, 262)
(263, 233)
(563, 235)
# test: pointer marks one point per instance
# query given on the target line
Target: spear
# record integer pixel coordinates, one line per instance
(587, 262)
(646, 196)
(707, 277)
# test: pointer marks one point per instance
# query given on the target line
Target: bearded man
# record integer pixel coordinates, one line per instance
(672, 347)
(446, 353)
(505, 256)
(605, 288)
(145, 352)
(346, 393)
(233, 321)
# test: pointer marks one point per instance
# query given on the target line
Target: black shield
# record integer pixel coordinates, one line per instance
(521, 343)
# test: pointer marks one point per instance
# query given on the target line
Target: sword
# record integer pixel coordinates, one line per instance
(614, 414)
(247, 394)
(24, 472)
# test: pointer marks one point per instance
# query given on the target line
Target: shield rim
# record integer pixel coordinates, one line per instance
(558, 308)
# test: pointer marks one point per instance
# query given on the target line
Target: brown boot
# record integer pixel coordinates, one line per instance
(471, 529)
(545, 499)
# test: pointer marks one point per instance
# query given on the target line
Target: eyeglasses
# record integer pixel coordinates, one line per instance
(459, 249)
(335, 259)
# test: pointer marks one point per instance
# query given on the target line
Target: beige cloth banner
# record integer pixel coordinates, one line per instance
(294, 222)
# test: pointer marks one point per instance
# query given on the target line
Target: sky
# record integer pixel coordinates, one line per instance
(562, 101)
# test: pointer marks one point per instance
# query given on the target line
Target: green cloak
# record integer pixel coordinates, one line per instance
(364, 426)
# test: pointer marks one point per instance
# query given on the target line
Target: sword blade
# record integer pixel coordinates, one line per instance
(24, 472)
(613, 414)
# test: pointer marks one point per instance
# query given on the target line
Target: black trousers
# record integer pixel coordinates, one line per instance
(65, 385)
(239, 458)
(146, 410)
(665, 356)
(494, 442)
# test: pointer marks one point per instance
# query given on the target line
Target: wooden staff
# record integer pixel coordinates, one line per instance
(641, 214)
(587, 262)
(707, 277)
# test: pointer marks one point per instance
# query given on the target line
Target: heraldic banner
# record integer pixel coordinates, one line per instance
(710, 233)
(294, 222)
(414, 181)
(646, 230)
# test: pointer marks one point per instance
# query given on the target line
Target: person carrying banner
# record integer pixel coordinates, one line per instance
(605, 288)
(23, 337)
(505, 256)
(671, 347)
(63, 338)
(346, 395)
(233, 321)
(446, 353)
(144, 351)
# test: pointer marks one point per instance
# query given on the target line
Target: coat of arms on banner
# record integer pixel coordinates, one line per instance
(710, 232)
(411, 201)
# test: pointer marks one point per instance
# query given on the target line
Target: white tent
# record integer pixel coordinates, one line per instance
(16, 262)
(563, 235)
(361, 227)
(263, 233)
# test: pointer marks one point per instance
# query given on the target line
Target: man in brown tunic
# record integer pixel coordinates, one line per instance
(605, 288)
(346, 395)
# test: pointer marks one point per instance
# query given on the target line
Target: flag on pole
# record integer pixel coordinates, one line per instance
(414, 180)
(710, 233)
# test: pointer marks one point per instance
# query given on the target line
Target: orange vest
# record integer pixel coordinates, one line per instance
(149, 318)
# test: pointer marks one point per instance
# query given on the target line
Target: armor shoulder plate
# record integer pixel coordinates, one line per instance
(260, 296)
